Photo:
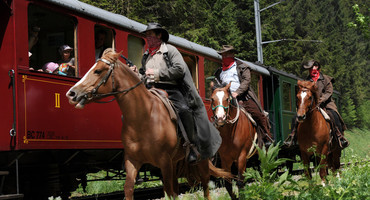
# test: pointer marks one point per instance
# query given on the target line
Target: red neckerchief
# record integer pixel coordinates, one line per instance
(315, 74)
(153, 43)
(227, 62)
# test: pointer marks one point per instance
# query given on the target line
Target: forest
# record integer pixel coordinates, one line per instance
(335, 32)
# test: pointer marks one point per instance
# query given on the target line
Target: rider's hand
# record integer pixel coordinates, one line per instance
(234, 94)
(149, 72)
(133, 68)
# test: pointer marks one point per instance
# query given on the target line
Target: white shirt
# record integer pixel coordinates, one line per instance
(231, 75)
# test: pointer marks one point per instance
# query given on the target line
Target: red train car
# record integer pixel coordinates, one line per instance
(45, 143)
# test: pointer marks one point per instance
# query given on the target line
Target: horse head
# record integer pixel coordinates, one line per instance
(93, 83)
(221, 100)
(306, 98)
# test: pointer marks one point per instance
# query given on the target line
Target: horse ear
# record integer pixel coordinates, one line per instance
(117, 55)
(228, 86)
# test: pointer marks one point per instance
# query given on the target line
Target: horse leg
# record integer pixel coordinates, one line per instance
(324, 163)
(226, 164)
(131, 172)
(306, 163)
(166, 167)
(242, 162)
(204, 177)
(175, 182)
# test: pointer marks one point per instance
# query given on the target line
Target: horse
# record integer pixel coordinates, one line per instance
(149, 135)
(314, 131)
(237, 132)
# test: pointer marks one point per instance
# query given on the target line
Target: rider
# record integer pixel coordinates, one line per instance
(325, 90)
(166, 69)
(238, 73)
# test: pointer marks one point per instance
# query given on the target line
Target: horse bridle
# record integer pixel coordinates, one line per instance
(227, 111)
(93, 94)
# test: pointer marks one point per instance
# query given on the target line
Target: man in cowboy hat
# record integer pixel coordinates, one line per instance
(166, 69)
(325, 91)
(238, 74)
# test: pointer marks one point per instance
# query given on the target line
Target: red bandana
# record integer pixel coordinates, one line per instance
(154, 43)
(315, 74)
(227, 63)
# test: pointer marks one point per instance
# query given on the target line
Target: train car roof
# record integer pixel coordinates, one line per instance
(280, 72)
(129, 24)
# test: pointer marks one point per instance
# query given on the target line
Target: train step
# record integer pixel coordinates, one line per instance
(4, 173)
(11, 196)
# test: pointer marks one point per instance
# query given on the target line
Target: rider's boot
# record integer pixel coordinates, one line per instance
(188, 122)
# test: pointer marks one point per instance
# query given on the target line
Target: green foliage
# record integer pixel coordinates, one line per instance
(361, 22)
(267, 183)
(349, 111)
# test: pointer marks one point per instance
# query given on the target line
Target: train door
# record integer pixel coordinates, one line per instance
(288, 104)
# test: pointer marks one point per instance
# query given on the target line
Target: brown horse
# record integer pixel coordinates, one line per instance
(314, 131)
(148, 133)
(237, 132)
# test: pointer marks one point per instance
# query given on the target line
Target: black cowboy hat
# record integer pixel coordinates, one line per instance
(309, 64)
(157, 26)
(226, 48)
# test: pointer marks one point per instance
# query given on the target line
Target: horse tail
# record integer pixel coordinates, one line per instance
(220, 173)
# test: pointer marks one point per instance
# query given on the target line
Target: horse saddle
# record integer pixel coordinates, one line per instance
(163, 96)
(324, 114)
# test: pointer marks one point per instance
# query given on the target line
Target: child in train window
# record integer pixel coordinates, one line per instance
(67, 62)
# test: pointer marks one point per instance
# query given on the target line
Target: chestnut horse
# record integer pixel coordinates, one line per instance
(314, 131)
(148, 133)
(237, 132)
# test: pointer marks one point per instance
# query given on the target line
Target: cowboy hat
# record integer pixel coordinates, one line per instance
(309, 64)
(157, 26)
(226, 48)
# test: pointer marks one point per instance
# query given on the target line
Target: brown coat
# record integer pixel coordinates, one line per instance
(244, 74)
(325, 92)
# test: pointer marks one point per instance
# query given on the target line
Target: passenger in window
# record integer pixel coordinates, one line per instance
(50, 67)
(66, 63)
(100, 44)
(238, 73)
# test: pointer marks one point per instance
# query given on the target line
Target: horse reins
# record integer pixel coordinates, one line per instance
(93, 94)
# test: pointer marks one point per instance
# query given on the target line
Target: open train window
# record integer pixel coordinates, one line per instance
(254, 84)
(104, 38)
(192, 63)
(210, 67)
(135, 48)
(49, 34)
(287, 96)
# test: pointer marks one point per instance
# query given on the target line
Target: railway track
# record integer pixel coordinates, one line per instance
(157, 192)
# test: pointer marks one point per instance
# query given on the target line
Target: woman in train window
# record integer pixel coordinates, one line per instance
(238, 73)
(166, 69)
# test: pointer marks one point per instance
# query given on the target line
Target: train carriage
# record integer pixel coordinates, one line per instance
(45, 143)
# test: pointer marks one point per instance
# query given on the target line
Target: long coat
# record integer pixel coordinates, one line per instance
(325, 91)
(244, 74)
(209, 137)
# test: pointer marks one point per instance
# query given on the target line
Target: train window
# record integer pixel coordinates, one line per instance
(191, 62)
(287, 96)
(104, 38)
(254, 84)
(135, 48)
(51, 35)
(210, 68)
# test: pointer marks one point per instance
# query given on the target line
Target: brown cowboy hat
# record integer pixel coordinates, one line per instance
(157, 26)
(226, 48)
(309, 64)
